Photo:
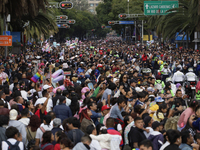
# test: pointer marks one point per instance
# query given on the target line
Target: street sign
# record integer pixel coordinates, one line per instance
(7, 32)
(159, 7)
(16, 36)
(5, 40)
(126, 22)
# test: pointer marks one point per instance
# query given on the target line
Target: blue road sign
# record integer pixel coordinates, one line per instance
(58, 25)
(179, 36)
(7, 32)
(107, 26)
(16, 36)
(126, 22)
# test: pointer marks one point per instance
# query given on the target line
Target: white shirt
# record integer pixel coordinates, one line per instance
(94, 145)
(190, 76)
(42, 100)
(88, 72)
(164, 145)
(115, 142)
(24, 94)
(39, 132)
(12, 141)
(11, 87)
(178, 77)
(25, 121)
(150, 131)
(104, 140)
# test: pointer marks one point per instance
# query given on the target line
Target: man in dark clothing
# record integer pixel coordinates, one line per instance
(75, 133)
(56, 125)
(174, 140)
(57, 97)
(62, 111)
(155, 136)
(25, 80)
(137, 130)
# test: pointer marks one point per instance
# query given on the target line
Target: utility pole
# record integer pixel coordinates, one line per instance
(5, 29)
(142, 31)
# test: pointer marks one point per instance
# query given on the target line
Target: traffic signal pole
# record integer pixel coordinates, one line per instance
(124, 16)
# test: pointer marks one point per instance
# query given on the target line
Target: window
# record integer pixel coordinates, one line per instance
(91, 10)
(96, 4)
(91, 5)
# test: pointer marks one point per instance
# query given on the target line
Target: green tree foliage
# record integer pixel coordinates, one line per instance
(185, 19)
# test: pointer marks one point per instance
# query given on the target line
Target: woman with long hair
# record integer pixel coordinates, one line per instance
(66, 144)
(85, 119)
(58, 136)
(31, 129)
(123, 85)
(46, 142)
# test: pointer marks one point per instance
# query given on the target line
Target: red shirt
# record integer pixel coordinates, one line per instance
(57, 147)
(144, 58)
(112, 131)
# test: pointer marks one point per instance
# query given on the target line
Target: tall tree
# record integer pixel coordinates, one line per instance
(19, 8)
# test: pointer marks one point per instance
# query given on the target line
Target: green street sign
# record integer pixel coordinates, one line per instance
(158, 7)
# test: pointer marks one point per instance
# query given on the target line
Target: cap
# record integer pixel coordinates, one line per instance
(104, 108)
(147, 119)
(46, 87)
(150, 89)
(56, 122)
(155, 124)
(13, 114)
(177, 85)
(133, 80)
(138, 89)
(159, 99)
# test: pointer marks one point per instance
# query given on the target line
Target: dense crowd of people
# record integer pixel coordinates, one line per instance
(103, 95)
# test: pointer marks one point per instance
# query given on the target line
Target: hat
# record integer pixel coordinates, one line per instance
(155, 124)
(138, 89)
(13, 114)
(133, 80)
(104, 108)
(169, 79)
(56, 122)
(159, 99)
(177, 85)
(150, 89)
(87, 80)
(46, 87)
(74, 79)
(147, 119)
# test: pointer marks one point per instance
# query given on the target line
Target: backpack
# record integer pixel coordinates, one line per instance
(45, 145)
(13, 147)
(32, 141)
(171, 123)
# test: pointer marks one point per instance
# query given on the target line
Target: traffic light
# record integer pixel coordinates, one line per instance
(71, 21)
(122, 16)
(66, 5)
(102, 27)
(62, 17)
(111, 22)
